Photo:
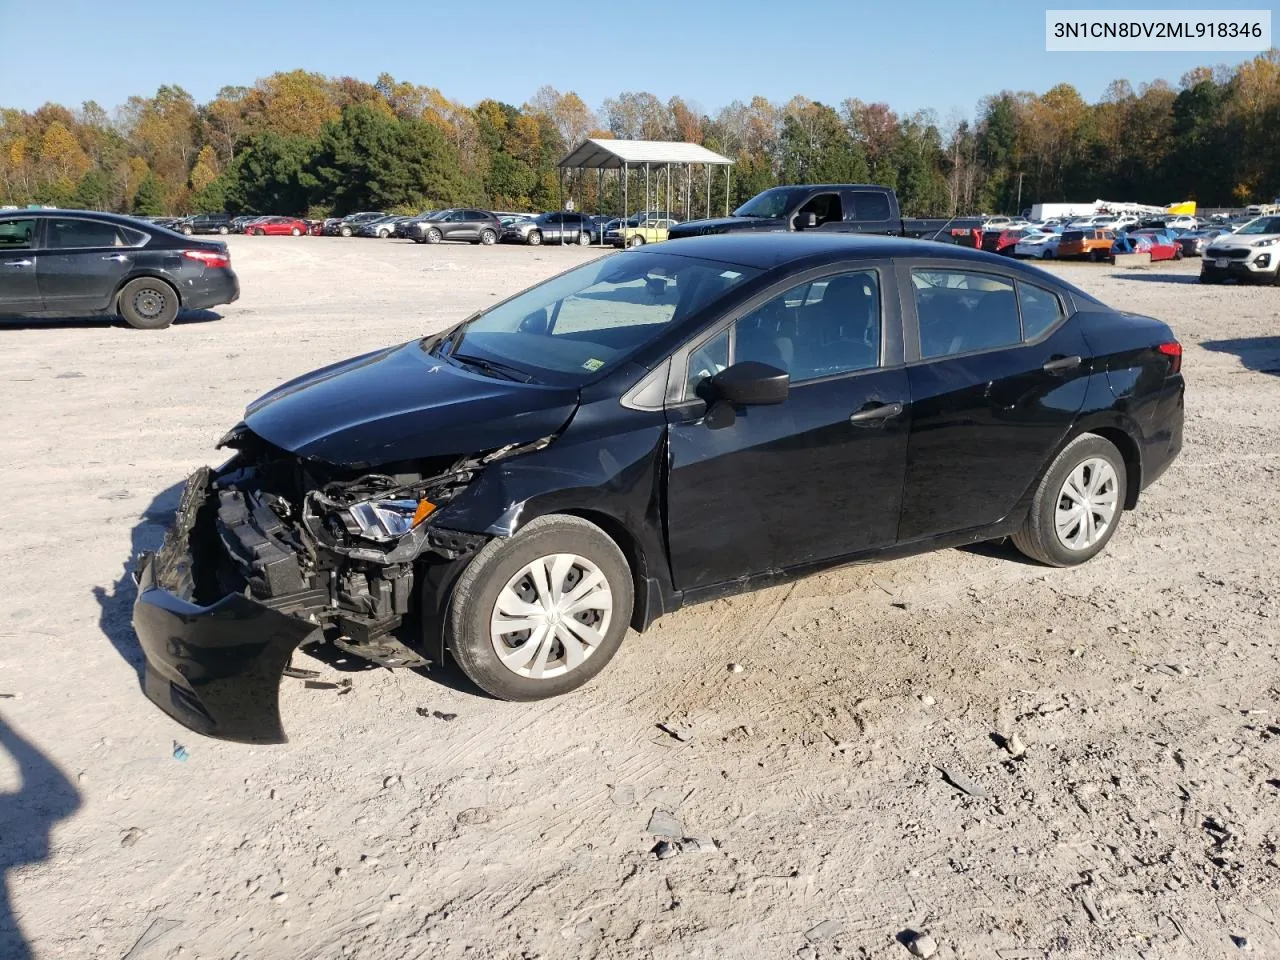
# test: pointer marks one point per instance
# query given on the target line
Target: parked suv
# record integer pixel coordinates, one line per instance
(553, 228)
(1251, 253)
(205, 223)
(472, 226)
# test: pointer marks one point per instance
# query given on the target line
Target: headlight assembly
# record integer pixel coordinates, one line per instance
(388, 519)
(1270, 241)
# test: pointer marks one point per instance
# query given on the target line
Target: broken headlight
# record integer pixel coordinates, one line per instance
(388, 519)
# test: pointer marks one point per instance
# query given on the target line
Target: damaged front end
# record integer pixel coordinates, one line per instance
(272, 551)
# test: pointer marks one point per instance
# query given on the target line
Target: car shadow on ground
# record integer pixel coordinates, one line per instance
(1156, 277)
(1256, 353)
(95, 323)
(27, 818)
(115, 616)
(1002, 549)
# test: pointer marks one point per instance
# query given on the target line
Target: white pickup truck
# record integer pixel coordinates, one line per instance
(1250, 253)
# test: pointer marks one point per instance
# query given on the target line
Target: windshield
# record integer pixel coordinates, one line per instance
(1261, 225)
(771, 203)
(574, 326)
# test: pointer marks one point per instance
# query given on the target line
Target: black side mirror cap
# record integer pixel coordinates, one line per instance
(751, 383)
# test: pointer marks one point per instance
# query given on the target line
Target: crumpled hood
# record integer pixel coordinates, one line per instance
(401, 403)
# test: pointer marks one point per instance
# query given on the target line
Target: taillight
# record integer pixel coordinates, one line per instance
(1172, 350)
(210, 258)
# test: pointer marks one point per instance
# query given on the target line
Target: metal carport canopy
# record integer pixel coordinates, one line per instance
(614, 154)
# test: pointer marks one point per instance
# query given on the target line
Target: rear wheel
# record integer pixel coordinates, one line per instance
(148, 303)
(541, 613)
(259, 233)
(488, 238)
(1047, 255)
(188, 231)
(295, 232)
(584, 239)
(344, 231)
(1077, 506)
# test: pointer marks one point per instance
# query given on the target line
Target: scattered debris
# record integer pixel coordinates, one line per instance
(131, 836)
(340, 872)
(922, 945)
(158, 928)
(664, 824)
(1017, 749)
(624, 795)
(683, 734)
(1091, 908)
(180, 752)
(9, 696)
(699, 845)
(322, 685)
(824, 931)
(928, 700)
(665, 850)
(735, 668)
(901, 604)
(368, 860)
(279, 897)
(301, 673)
(1241, 942)
(391, 781)
(426, 712)
(69, 375)
(961, 782)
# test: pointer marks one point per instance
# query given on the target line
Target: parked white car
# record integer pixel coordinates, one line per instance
(1039, 246)
(1182, 222)
(1250, 253)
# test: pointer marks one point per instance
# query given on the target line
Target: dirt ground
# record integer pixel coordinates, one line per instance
(1142, 821)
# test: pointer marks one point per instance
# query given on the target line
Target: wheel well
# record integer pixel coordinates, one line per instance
(1132, 461)
(630, 547)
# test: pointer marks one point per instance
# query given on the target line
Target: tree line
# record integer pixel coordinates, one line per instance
(306, 144)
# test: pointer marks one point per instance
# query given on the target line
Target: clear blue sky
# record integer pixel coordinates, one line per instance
(911, 54)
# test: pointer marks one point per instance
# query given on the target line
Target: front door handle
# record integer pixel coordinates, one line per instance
(17, 263)
(876, 414)
(117, 257)
(1062, 364)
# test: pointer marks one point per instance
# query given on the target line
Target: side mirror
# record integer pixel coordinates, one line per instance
(751, 383)
(536, 322)
(806, 221)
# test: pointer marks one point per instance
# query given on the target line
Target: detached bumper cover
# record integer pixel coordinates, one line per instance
(215, 669)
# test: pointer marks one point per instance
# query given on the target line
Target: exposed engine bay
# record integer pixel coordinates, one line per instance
(338, 547)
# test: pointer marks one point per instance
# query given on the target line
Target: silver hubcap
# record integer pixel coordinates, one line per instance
(551, 616)
(1087, 504)
(149, 303)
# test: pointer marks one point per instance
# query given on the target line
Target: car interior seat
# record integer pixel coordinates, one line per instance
(839, 332)
(765, 335)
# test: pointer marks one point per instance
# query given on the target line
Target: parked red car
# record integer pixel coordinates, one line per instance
(1163, 246)
(278, 227)
(1001, 241)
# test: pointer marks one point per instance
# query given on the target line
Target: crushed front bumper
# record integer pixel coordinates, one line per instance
(215, 669)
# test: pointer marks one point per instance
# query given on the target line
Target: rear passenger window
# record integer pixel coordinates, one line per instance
(961, 312)
(71, 234)
(16, 234)
(869, 205)
(1041, 309)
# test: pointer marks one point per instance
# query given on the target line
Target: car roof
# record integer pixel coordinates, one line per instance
(767, 250)
(122, 220)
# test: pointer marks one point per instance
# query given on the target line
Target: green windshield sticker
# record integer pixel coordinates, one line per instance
(593, 364)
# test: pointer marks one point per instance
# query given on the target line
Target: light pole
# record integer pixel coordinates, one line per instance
(1018, 210)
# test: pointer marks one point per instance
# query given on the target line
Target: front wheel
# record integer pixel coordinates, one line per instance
(535, 238)
(434, 236)
(259, 233)
(1047, 255)
(188, 231)
(148, 304)
(541, 613)
(1077, 506)
(636, 241)
(223, 231)
(344, 231)
(295, 232)
(584, 239)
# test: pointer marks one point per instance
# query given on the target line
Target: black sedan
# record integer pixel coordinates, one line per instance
(648, 430)
(68, 263)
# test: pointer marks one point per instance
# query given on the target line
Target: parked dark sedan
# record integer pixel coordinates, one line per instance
(650, 429)
(68, 263)
(471, 226)
(205, 223)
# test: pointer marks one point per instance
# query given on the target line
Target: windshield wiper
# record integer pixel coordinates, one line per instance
(494, 367)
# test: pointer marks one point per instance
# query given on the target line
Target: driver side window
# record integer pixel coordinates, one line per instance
(825, 206)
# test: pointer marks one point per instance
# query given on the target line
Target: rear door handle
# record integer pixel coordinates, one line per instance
(17, 263)
(883, 411)
(117, 257)
(1062, 364)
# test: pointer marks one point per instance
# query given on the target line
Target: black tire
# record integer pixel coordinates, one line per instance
(434, 236)
(223, 231)
(148, 303)
(1048, 255)
(488, 238)
(487, 575)
(1038, 537)
(344, 231)
(188, 231)
(535, 238)
(584, 239)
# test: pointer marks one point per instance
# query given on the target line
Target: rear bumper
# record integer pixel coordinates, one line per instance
(216, 287)
(217, 668)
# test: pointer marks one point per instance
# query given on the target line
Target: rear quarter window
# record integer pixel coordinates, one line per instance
(870, 205)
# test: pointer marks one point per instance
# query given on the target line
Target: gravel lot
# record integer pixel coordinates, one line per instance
(1142, 821)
